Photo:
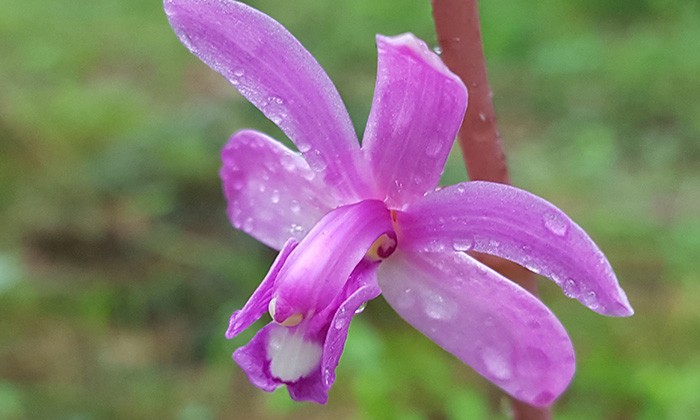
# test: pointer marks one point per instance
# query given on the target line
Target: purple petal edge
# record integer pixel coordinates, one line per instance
(488, 322)
(516, 225)
(271, 69)
(417, 109)
(271, 192)
(258, 303)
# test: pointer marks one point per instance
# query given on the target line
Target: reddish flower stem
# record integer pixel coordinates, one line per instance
(459, 35)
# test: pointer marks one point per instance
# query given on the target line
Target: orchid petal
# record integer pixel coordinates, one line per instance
(364, 288)
(253, 359)
(417, 109)
(309, 388)
(272, 193)
(513, 224)
(258, 303)
(271, 69)
(304, 357)
(317, 269)
(488, 322)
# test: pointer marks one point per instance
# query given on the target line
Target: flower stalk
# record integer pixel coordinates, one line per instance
(459, 36)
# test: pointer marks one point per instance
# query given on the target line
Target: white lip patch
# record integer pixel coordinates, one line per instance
(291, 357)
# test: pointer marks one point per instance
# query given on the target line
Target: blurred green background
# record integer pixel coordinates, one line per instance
(119, 269)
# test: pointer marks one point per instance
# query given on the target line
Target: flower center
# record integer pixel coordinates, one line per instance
(382, 248)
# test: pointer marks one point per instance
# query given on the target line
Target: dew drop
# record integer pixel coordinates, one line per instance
(304, 147)
(294, 206)
(437, 50)
(406, 299)
(570, 288)
(288, 162)
(439, 308)
(482, 116)
(433, 148)
(590, 299)
(296, 229)
(339, 323)
(239, 73)
(462, 244)
(496, 363)
(247, 226)
(361, 308)
(327, 377)
(275, 197)
(434, 245)
(555, 223)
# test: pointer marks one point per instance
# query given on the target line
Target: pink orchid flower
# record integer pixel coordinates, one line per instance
(354, 222)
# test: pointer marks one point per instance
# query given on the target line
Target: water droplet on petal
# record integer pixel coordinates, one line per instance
(327, 377)
(555, 223)
(433, 148)
(590, 299)
(361, 308)
(303, 147)
(438, 307)
(570, 288)
(247, 226)
(407, 299)
(239, 73)
(437, 50)
(496, 363)
(462, 244)
(275, 197)
(288, 162)
(339, 323)
(294, 206)
(296, 229)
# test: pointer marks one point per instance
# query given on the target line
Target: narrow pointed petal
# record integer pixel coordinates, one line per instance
(319, 267)
(260, 300)
(271, 69)
(499, 329)
(272, 193)
(364, 279)
(417, 109)
(513, 224)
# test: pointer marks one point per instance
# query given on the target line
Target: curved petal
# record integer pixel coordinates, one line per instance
(364, 288)
(304, 357)
(260, 300)
(271, 69)
(253, 359)
(317, 270)
(499, 329)
(511, 223)
(272, 193)
(417, 109)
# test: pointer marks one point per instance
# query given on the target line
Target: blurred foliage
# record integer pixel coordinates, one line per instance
(118, 268)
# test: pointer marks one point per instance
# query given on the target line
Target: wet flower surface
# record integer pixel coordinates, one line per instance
(354, 222)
